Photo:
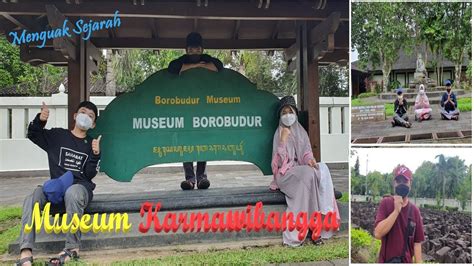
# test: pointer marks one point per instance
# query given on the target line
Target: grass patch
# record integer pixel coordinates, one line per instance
(8, 213)
(361, 102)
(389, 112)
(465, 104)
(364, 247)
(334, 249)
(345, 197)
(10, 224)
(367, 94)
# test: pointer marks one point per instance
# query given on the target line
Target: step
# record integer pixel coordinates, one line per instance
(412, 95)
(211, 201)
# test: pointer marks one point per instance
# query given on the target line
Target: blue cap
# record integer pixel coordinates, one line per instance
(399, 90)
(55, 189)
(447, 82)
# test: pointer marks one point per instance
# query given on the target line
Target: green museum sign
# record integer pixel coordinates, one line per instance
(196, 116)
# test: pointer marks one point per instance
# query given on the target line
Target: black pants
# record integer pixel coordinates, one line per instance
(189, 171)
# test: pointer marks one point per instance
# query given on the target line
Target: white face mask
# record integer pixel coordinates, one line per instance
(288, 119)
(83, 121)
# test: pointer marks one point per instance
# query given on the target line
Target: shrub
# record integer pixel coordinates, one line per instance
(451, 209)
(367, 94)
(362, 240)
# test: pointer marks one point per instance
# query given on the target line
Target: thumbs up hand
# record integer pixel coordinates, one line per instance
(96, 145)
(44, 113)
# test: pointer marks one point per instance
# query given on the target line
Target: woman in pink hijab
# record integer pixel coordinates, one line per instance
(307, 185)
(422, 105)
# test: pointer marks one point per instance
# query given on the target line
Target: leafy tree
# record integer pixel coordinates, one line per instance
(27, 79)
(458, 43)
(464, 194)
(379, 32)
(357, 167)
(334, 81)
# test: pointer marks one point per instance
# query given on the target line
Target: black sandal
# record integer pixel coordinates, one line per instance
(187, 185)
(318, 242)
(20, 262)
(203, 183)
(61, 260)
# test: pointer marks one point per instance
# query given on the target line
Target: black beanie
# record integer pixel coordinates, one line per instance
(194, 39)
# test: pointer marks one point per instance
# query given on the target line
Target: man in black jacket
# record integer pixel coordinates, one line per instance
(193, 58)
(68, 151)
(400, 106)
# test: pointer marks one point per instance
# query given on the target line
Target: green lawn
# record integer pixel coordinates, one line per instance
(10, 218)
(335, 249)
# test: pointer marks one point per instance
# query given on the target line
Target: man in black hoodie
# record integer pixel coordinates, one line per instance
(193, 58)
(68, 150)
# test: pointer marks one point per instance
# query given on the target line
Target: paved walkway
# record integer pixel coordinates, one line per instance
(384, 128)
(15, 189)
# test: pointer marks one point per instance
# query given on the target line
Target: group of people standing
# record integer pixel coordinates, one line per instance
(422, 107)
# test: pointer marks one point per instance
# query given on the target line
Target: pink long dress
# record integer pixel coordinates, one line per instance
(306, 189)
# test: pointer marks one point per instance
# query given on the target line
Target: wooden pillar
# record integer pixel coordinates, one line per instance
(299, 67)
(78, 81)
(313, 109)
(308, 87)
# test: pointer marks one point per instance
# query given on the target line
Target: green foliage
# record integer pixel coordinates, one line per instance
(334, 81)
(464, 193)
(345, 197)
(394, 85)
(357, 167)
(362, 240)
(451, 209)
(379, 31)
(428, 180)
(465, 104)
(10, 218)
(27, 79)
(367, 94)
(432, 207)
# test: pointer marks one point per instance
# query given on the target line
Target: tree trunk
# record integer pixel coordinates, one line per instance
(386, 76)
(110, 85)
(457, 70)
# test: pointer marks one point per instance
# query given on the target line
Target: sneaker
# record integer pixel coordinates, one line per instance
(393, 123)
(187, 185)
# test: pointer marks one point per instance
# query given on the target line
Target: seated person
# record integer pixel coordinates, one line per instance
(400, 118)
(306, 184)
(193, 58)
(70, 152)
(449, 104)
(422, 105)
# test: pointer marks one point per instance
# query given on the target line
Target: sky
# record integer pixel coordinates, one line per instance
(385, 159)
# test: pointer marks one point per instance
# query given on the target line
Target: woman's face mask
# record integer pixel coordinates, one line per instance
(83, 121)
(288, 119)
